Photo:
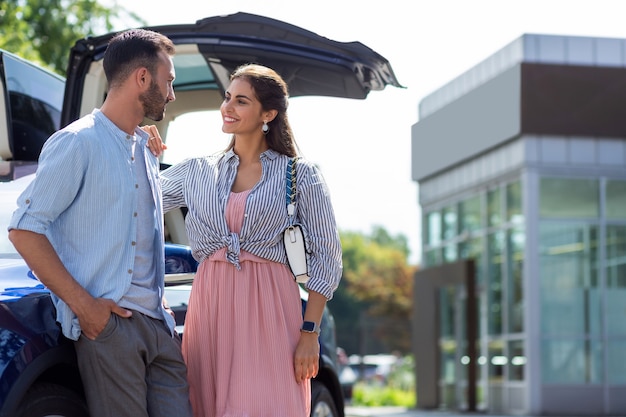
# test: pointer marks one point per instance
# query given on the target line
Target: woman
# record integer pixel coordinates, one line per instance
(249, 352)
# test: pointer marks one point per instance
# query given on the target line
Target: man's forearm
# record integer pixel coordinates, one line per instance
(43, 260)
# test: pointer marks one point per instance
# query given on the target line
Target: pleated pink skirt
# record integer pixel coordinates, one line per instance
(241, 331)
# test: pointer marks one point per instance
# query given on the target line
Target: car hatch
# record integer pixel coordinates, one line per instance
(208, 51)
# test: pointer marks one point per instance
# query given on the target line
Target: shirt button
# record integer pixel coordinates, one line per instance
(130, 271)
(132, 158)
(133, 243)
(128, 137)
(136, 185)
(135, 214)
(28, 201)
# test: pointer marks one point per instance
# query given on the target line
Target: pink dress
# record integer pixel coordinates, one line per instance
(241, 332)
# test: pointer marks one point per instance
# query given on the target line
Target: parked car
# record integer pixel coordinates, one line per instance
(368, 368)
(372, 368)
(38, 372)
(347, 376)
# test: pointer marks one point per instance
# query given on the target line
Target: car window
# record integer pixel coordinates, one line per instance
(192, 71)
(35, 101)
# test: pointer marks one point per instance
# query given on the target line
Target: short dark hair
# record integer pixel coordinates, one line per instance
(133, 49)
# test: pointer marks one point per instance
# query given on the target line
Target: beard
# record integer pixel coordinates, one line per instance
(153, 103)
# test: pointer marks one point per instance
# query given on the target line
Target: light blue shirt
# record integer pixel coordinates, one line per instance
(84, 198)
(203, 186)
(141, 294)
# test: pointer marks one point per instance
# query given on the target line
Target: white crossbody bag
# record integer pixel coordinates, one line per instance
(293, 235)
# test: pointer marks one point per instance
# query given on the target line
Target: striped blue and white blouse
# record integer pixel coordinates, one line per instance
(203, 185)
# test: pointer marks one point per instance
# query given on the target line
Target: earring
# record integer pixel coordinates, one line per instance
(265, 127)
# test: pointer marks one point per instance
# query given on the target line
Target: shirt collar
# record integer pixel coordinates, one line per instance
(269, 154)
(142, 136)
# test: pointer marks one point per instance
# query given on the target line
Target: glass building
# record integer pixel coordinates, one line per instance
(521, 165)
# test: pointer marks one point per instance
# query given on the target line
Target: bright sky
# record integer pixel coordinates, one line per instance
(364, 146)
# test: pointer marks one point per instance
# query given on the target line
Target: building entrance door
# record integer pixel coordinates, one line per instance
(452, 349)
(444, 320)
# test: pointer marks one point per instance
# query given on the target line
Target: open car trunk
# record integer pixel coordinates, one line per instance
(209, 50)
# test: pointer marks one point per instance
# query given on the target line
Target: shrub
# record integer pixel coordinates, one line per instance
(397, 390)
(376, 396)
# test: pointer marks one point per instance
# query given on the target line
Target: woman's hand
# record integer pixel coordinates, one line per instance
(306, 359)
(155, 143)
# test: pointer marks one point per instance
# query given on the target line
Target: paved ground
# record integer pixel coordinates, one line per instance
(404, 412)
(382, 412)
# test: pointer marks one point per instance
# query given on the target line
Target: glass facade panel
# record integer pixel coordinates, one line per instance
(616, 358)
(432, 257)
(616, 255)
(515, 287)
(450, 253)
(570, 301)
(449, 223)
(514, 211)
(616, 280)
(494, 208)
(572, 361)
(470, 215)
(446, 312)
(616, 200)
(495, 256)
(517, 360)
(433, 228)
(569, 198)
(473, 249)
(480, 301)
(615, 315)
(448, 347)
(497, 361)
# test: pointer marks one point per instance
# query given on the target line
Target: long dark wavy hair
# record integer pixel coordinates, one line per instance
(272, 92)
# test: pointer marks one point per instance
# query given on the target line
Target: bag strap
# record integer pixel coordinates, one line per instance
(291, 188)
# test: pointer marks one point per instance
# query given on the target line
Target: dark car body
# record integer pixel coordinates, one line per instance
(38, 372)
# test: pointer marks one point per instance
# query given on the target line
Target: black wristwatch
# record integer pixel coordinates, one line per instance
(310, 327)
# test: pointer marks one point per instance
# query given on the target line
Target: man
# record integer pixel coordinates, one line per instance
(90, 226)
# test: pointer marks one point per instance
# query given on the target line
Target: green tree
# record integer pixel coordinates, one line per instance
(43, 31)
(372, 306)
(381, 237)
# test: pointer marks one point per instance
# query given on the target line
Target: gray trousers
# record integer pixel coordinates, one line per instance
(134, 368)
